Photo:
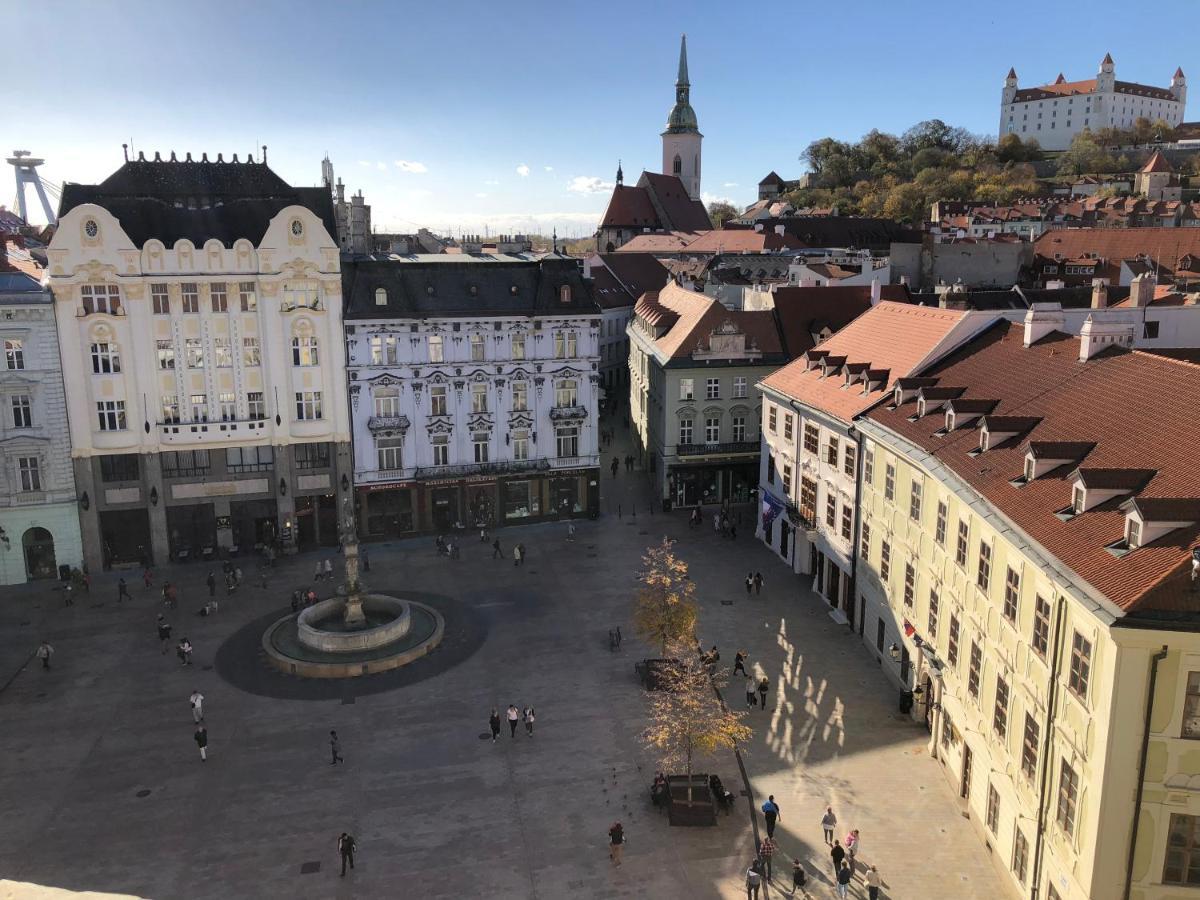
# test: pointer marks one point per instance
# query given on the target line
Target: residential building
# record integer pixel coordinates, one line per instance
(1029, 509)
(39, 516)
(1078, 256)
(1052, 114)
(954, 221)
(618, 279)
(199, 319)
(473, 391)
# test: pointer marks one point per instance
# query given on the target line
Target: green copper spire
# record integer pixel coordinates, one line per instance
(682, 80)
(682, 119)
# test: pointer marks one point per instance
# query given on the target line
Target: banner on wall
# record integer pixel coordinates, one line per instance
(771, 508)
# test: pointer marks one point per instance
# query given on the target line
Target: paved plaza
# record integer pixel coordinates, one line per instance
(103, 788)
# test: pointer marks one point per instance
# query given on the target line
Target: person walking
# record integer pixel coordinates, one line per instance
(763, 686)
(838, 854)
(799, 877)
(521, 557)
(497, 553)
(494, 724)
(335, 748)
(751, 693)
(766, 851)
(346, 848)
(319, 571)
(749, 584)
(874, 882)
(618, 637)
(758, 583)
(616, 836)
(852, 846)
(147, 579)
(615, 465)
(123, 591)
(753, 882)
(197, 702)
(844, 874)
(211, 581)
(516, 554)
(770, 811)
(739, 662)
(828, 823)
(514, 716)
(68, 594)
(164, 633)
(184, 652)
(527, 715)
(44, 652)
(201, 739)
(328, 570)
(570, 531)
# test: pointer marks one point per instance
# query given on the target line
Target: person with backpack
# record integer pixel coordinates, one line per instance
(616, 834)
(753, 881)
(799, 877)
(346, 848)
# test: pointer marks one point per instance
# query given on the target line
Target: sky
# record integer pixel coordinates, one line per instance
(467, 116)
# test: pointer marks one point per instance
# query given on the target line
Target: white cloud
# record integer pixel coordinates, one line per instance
(589, 184)
(548, 168)
(364, 163)
(481, 196)
(730, 184)
(411, 166)
(708, 198)
(491, 182)
(381, 166)
(523, 170)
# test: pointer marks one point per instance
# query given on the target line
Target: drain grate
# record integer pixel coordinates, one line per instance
(144, 792)
(485, 735)
(310, 868)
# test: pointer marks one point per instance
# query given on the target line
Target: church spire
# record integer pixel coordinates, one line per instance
(682, 79)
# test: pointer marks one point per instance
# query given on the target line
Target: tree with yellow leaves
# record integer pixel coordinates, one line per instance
(664, 609)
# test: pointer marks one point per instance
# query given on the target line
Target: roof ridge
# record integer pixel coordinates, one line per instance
(1150, 354)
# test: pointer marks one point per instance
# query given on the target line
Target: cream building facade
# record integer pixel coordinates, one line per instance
(199, 315)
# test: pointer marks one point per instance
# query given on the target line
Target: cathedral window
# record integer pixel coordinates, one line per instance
(677, 166)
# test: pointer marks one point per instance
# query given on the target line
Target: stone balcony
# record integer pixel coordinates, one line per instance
(387, 423)
(733, 448)
(568, 413)
(499, 467)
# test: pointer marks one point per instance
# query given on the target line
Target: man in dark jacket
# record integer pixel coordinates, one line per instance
(346, 848)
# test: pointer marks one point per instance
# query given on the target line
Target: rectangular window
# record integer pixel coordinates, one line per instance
(869, 466)
(191, 297)
(520, 443)
(1191, 707)
(889, 482)
(222, 353)
(308, 405)
(111, 414)
(304, 351)
(517, 343)
(739, 429)
(914, 501)
(808, 498)
(388, 452)
(166, 354)
(30, 474)
(739, 386)
(247, 296)
(194, 353)
(885, 561)
(933, 614)
(251, 355)
(1081, 665)
(241, 460)
(101, 298)
(993, 809)
(831, 451)
(14, 354)
(770, 468)
(227, 406)
(105, 359)
(480, 442)
(973, 673)
(434, 342)
(685, 431)
(1029, 747)
(1000, 713)
(812, 435)
(771, 419)
(1012, 594)
(437, 400)
(850, 460)
(119, 467)
(160, 299)
(1068, 798)
(312, 456)
(1182, 862)
(256, 406)
(939, 533)
(567, 439)
(220, 299)
(564, 344)
(712, 389)
(686, 389)
(566, 392)
(477, 347)
(185, 463)
(479, 397)
(441, 451)
(847, 522)
(520, 396)
(880, 634)
(830, 512)
(910, 583)
(22, 411)
(300, 296)
(947, 731)
(960, 550)
(386, 402)
(199, 408)
(1134, 536)
(983, 576)
(712, 430)
(952, 647)
(170, 409)
(864, 546)
(786, 478)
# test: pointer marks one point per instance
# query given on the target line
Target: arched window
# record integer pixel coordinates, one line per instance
(304, 351)
(380, 296)
(677, 167)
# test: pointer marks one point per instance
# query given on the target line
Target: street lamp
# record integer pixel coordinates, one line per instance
(894, 650)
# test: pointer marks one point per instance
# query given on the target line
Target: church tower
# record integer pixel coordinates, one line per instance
(681, 140)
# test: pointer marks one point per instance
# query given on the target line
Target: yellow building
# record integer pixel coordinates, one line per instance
(1028, 512)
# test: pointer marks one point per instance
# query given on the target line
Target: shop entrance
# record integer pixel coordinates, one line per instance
(445, 508)
(125, 537)
(254, 524)
(38, 544)
(192, 530)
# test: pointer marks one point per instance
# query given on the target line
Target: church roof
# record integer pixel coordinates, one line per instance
(629, 207)
(1156, 163)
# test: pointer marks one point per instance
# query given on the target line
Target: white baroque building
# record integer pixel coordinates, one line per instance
(473, 391)
(39, 522)
(199, 317)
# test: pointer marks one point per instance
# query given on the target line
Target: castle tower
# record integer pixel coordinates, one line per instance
(1106, 78)
(681, 140)
(1010, 87)
(1179, 87)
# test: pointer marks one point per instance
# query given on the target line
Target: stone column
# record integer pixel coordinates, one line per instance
(160, 536)
(89, 519)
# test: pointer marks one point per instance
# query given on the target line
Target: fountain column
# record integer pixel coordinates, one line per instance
(354, 609)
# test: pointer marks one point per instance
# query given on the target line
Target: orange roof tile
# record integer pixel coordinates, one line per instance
(697, 316)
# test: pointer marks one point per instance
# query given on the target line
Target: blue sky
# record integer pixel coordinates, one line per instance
(459, 115)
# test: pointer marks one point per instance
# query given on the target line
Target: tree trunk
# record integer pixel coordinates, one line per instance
(688, 768)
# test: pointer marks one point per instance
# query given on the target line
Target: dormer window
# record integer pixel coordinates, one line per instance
(1078, 499)
(920, 407)
(1030, 467)
(1133, 533)
(564, 294)
(898, 398)
(949, 421)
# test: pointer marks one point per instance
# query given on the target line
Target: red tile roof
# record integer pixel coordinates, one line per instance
(670, 242)
(1137, 408)
(742, 240)
(1156, 163)
(1088, 86)
(693, 317)
(629, 207)
(1163, 244)
(681, 212)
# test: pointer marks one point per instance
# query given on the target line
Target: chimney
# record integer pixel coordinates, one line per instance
(1097, 336)
(1141, 290)
(1099, 293)
(779, 230)
(758, 227)
(1042, 319)
(904, 280)
(875, 291)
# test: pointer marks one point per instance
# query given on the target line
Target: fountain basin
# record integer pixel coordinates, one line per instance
(320, 626)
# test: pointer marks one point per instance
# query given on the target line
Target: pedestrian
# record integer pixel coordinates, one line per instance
(616, 834)
(514, 716)
(749, 584)
(766, 850)
(615, 465)
(497, 553)
(483, 535)
(874, 882)
(570, 531)
(844, 874)
(335, 748)
(237, 575)
(799, 877)
(44, 652)
(852, 846)
(318, 572)
(753, 882)
(521, 547)
(527, 715)
(197, 702)
(763, 686)
(516, 554)
(68, 598)
(758, 582)
(346, 848)
(164, 633)
(211, 581)
(716, 523)
(184, 651)
(771, 814)
(732, 532)
(328, 570)
(618, 637)
(751, 695)
(494, 724)
(828, 823)
(147, 579)
(123, 591)
(837, 854)
(739, 662)
(201, 739)
(714, 656)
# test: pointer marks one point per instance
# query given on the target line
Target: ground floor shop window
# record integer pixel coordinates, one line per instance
(254, 523)
(389, 513)
(564, 495)
(192, 530)
(482, 506)
(125, 536)
(520, 499)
